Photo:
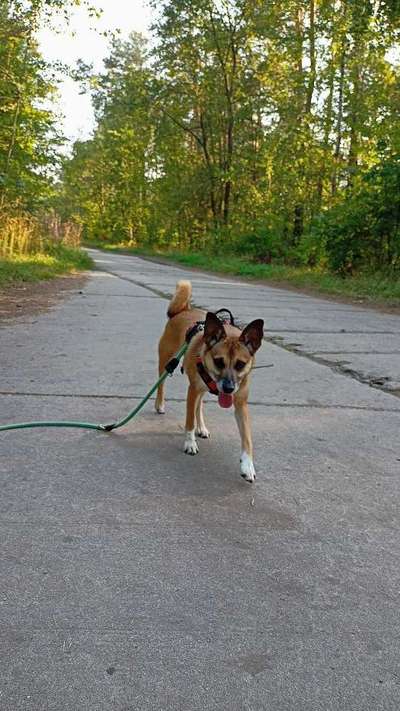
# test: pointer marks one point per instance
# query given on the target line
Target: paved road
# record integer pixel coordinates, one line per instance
(137, 578)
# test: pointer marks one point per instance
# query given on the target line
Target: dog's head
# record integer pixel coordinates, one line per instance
(229, 359)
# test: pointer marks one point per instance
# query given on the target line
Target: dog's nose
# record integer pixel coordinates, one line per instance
(228, 386)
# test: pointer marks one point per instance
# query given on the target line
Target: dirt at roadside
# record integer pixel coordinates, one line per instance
(28, 299)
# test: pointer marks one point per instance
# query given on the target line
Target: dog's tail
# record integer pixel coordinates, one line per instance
(181, 299)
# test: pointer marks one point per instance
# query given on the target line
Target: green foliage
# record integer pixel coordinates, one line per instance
(364, 229)
(261, 129)
(28, 140)
(262, 246)
(268, 130)
(57, 260)
(29, 143)
(105, 184)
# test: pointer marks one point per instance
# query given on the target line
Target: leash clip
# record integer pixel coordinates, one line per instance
(172, 366)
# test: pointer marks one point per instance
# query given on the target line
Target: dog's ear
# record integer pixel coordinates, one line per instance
(213, 330)
(252, 335)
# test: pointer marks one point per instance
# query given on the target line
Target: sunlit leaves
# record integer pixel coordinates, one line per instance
(246, 124)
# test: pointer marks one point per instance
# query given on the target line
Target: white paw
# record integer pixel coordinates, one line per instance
(247, 467)
(203, 432)
(190, 446)
(160, 409)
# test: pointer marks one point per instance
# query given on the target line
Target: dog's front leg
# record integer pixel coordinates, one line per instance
(243, 420)
(201, 429)
(190, 446)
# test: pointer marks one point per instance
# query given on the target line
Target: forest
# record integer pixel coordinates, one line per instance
(265, 129)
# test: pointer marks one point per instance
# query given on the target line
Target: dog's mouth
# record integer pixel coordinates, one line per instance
(225, 400)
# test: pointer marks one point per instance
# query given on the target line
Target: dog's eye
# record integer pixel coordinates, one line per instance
(240, 365)
(219, 363)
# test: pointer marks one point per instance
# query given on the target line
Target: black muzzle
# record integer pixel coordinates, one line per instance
(228, 386)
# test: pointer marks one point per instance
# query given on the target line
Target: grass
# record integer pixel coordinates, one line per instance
(376, 288)
(34, 267)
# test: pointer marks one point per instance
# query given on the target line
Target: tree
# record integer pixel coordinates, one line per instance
(245, 123)
(29, 142)
(106, 181)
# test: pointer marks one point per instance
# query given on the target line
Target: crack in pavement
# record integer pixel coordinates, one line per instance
(378, 383)
(341, 332)
(353, 352)
(256, 403)
(158, 292)
(120, 296)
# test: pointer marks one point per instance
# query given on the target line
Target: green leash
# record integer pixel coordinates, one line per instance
(170, 367)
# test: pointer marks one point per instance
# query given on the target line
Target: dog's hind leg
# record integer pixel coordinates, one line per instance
(160, 399)
(201, 429)
(163, 358)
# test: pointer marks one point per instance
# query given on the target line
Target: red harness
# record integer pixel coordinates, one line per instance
(206, 377)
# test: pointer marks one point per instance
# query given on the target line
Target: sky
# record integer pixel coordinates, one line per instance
(82, 39)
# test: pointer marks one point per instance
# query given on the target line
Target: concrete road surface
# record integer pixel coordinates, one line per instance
(137, 578)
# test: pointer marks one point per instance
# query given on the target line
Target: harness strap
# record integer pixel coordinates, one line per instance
(206, 377)
(192, 331)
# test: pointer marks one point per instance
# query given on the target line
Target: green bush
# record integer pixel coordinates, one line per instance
(362, 232)
(263, 246)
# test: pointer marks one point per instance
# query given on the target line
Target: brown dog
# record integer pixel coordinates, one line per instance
(219, 358)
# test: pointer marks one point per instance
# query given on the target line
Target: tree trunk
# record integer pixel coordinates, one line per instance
(298, 223)
(227, 167)
(313, 64)
(298, 216)
(354, 119)
(339, 123)
(327, 130)
(207, 158)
